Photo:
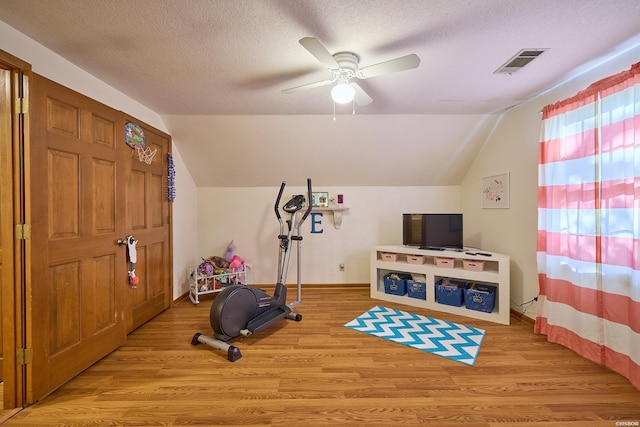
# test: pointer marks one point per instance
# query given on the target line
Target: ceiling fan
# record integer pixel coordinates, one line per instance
(343, 67)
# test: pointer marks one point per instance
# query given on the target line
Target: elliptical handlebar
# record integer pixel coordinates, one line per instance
(295, 203)
(277, 208)
(309, 201)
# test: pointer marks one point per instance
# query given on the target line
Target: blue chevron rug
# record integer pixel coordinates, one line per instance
(451, 340)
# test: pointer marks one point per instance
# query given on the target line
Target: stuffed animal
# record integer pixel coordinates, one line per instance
(205, 268)
(219, 263)
(229, 253)
(236, 263)
(215, 265)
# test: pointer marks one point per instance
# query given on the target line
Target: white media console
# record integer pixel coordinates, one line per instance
(387, 259)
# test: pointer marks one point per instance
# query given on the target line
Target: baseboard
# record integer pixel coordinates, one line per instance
(317, 285)
(515, 314)
(522, 317)
(8, 414)
(181, 298)
(304, 285)
(333, 285)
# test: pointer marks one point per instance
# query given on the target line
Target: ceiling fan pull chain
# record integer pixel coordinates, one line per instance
(334, 111)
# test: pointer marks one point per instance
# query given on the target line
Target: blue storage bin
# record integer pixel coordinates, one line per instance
(396, 283)
(416, 289)
(450, 292)
(480, 297)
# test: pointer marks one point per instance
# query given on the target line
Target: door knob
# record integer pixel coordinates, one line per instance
(125, 241)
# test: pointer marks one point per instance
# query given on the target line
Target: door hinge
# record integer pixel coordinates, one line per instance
(24, 356)
(22, 106)
(23, 231)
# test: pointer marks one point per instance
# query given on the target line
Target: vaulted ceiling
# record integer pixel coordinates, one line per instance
(189, 59)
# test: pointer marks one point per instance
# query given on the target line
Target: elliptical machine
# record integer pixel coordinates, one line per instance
(245, 310)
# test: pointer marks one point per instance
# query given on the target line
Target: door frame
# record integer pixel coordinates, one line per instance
(16, 251)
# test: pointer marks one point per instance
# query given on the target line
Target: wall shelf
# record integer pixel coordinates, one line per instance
(335, 210)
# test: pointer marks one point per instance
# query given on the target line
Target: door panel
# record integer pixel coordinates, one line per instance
(104, 218)
(63, 180)
(148, 219)
(77, 289)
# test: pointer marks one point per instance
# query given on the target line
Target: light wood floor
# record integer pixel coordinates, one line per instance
(318, 372)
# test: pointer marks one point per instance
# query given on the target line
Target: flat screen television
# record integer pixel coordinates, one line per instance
(435, 231)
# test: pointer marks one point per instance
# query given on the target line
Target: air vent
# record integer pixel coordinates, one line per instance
(518, 61)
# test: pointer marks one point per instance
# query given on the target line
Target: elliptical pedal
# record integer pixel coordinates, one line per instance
(267, 318)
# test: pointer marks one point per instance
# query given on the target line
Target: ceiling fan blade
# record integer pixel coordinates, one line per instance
(321, 53)
(360, 97)
(393, 65)
(308, 86)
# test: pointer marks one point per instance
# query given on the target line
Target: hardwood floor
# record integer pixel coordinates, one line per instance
(317, 372)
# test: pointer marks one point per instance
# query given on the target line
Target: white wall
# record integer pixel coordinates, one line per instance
(246, 216)
(185, 223)
(356, 150)
(513, 148)
(54, 67)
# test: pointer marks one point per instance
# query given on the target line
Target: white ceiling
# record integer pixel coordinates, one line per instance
(234, 57)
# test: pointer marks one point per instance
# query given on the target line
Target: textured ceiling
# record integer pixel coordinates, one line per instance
(235, 56)
(214, 70)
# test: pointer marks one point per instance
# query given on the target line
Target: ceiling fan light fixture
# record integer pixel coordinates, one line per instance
(343, 93)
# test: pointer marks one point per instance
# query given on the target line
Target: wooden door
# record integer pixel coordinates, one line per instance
(78, 274)
(14, 84)
(88, 190)
(6, 201)
(148, 219)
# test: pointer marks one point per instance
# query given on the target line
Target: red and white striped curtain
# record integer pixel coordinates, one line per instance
(589, 223)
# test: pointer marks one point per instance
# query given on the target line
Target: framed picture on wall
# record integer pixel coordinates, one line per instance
(495, 191)
(320, 199)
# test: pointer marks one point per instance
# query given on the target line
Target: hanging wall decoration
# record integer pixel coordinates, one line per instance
(134, 135)
(171, 178)
(495, 191)
(136, 139)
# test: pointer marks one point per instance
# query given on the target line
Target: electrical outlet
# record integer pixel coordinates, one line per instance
(341, 267)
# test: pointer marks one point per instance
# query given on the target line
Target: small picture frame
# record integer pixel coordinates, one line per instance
(320, 199)
(495, 191)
